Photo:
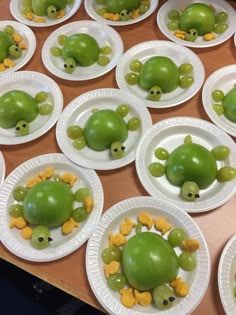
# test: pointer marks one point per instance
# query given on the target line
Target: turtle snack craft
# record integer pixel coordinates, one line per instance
(192, 167)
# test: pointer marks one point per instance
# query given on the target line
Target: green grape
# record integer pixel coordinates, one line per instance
(15, 51)
(133, 123)
(176, 237)
(131, 78)
(163, 297)
(156, 169)
(57, 177)
(52, 12)
(79, 143)
(94, 110)
(173, 25)
(116, 282)
(9, 29)
(155, 93)
(79, 214)
(19, 193)
(82, 193)
(187, 261)
(186, 81)
(16, 210)
(143, 8)
(69, 65)
(61, 39)
(188, 139)
(125, 15)
(173, 15)
(123, 110)
(103, 61)
(135, 65)
(190, 191)
(26, 10)
(185, 69)
(101, 11)
(220, 152)
(218, 108)
(191, 35)
(68, 2)
(217, 95)
(74, 132)
(41, 237)
(111, 253)
(226, 173)
(161, 153)
(220, 28)
(221, 17)
(22, 128)
(41, 97)
(45, 109)
(138, 228)
(106, 50)
(55, 51)
(117, 150)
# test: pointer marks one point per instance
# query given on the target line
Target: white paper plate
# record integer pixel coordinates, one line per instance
(223, 79)
(16, 6)
(61, 245)
(2, 168)
(110, 222)
(30, 41)
(91, 8)
(219, 5)
(178, 54)
(226, 276)
(104, 35)
(170, 133)
(80, 109)
(32, 83)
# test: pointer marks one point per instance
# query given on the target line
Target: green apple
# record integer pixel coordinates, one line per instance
(197, 16)
(17, 105)
(191, 162)
(159, 71)
(148, 260)
(48, 203)
(83, 48)
(5, 42)
(103, 128)
(116, 6)
(229, 104)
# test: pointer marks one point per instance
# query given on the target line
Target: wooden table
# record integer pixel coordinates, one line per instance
(218, 225)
